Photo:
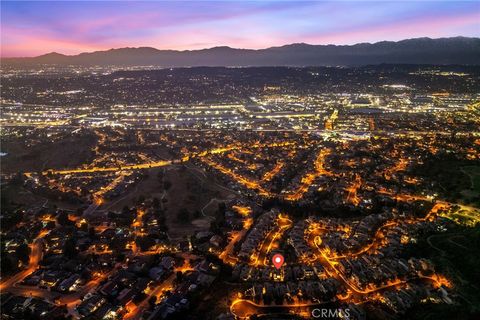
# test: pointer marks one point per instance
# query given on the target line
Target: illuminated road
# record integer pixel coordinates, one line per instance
(113, 169)
(162, 163)
(309, 178)
(352, 191)
(330, 264)
(139, 166)
(401, 165)
(136, 311)
(378, 237)
(98, 196)
(243, 309)
(270, 174)
(248, 183)
(226, 255)
(70, 300)
(34, 259)
(236, 236)
(269, 242)
(371, 288)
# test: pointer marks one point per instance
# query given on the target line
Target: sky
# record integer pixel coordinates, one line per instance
(31, 28)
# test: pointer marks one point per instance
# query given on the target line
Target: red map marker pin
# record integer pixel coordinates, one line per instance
(278, 260)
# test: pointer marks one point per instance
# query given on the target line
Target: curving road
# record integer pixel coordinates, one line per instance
(35, 258)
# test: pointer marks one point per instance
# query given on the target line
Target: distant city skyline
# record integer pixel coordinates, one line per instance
(70, 27)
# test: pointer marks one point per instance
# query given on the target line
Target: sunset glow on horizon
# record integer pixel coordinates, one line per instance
(70, 27)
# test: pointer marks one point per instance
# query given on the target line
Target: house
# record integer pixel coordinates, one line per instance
(69, 283)
(157, 273)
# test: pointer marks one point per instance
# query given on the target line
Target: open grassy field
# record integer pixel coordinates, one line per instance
(188, 189)
(456, 254)
(474, 173)
(69, 152)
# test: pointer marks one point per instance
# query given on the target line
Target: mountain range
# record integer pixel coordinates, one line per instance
(442, 51)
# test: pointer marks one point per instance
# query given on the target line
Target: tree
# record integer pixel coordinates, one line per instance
(179, 276)
(23, 253)
(139, 298)
(17, 179)
(50, 225)
(160, 175)
(183, 215)
(167, 185)
(86, 275)
(196, 214)
(120, 257)
(145, 243)
(117, 244)
(222, 208)
(214, 227)
(152, 301)
(62, 218)
(125, 210)
(84, 227)
(141, 199)
(156, 203)
(69, 249)
(7, 264)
